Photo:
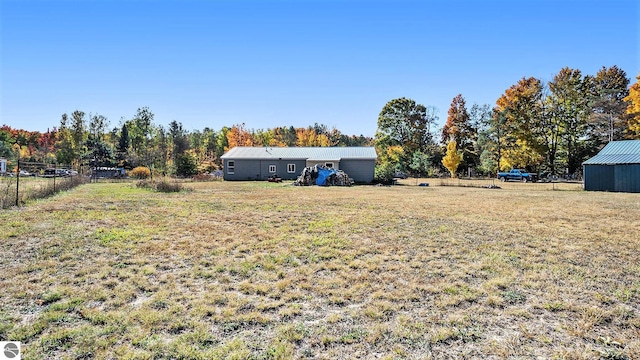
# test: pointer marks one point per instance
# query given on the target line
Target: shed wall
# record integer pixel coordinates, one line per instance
(627, 178)
(361, 171)
(599, 177)
(621, 177)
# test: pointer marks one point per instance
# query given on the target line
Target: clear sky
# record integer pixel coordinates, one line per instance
(283, 62)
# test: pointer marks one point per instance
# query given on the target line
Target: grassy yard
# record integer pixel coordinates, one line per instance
(32, 188)
(271, 271)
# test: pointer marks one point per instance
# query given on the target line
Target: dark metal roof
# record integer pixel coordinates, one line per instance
(617, 152)
(302, 153)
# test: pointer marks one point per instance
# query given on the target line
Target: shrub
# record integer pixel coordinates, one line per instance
(140, 172)
(384, 172)
(145, 184)
(165, 186)
(162, 185)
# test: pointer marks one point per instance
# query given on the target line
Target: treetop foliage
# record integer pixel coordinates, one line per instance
(86, 140)
(540, 126)
(547, 127)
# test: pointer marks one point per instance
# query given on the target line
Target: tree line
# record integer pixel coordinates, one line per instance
(543, 127)
(86, 140)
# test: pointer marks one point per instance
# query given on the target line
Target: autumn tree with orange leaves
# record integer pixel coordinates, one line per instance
(309, 137)
(238, 135)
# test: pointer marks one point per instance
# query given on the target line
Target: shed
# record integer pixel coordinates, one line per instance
(615, 168)
(258, 163)
(3, 166)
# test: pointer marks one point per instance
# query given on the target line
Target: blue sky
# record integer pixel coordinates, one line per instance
(281, 63)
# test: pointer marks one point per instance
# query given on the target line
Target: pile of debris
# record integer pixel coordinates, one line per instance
(319, 175)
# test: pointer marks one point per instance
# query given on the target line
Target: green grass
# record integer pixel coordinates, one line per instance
(269, 271)
(30, 188)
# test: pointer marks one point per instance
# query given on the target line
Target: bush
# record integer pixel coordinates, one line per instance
(140, 172)
(161, 186)
(165, 186)
(384, 173)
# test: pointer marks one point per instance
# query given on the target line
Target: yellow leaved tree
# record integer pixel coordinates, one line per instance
(633, 109)
(452, 159)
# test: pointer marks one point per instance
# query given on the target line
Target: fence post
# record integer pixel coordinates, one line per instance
(18, 182)
(55, 174)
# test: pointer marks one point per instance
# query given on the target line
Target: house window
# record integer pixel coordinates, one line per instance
(272, 169)
(328, 165)
(291, 168)
(231, 167)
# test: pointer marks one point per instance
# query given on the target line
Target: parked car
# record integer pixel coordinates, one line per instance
(55, 173)
(517, 175)
(25, 173)
(399, 175)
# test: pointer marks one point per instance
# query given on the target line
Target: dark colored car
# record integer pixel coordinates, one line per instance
(399, 175)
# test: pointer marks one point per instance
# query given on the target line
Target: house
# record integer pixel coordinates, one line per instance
(615, 168)
(258, 163)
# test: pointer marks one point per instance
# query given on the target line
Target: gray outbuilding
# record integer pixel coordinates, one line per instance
(615, 168)
(258, 163)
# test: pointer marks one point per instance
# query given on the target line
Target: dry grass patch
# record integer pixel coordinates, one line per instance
(260, 270)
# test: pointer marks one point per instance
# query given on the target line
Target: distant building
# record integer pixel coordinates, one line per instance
(258, 163)
(615, 168)
(107, 172)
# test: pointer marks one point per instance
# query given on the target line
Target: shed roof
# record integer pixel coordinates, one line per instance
(617, 152)
(302, 153)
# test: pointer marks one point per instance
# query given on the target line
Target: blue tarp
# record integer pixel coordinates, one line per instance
(323, 174)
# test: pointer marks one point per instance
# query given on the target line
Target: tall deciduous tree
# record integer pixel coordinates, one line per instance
(460, 129)
(140, 128)
(408, 125)
(158, 149)
(403, 122)
(452, 158)
(238, 135)
(608, 107)
(98, 152)
(490, 136)
(523, 109)
(311, 137)
(567, 119)
(633, 109)
(64, 142)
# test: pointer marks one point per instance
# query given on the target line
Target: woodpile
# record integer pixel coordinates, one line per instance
(319, 175)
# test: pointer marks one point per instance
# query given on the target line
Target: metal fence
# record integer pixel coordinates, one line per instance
(22, 185)
(559, 185)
